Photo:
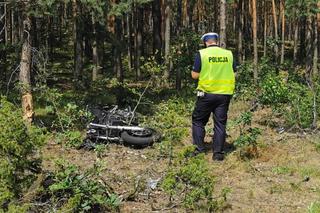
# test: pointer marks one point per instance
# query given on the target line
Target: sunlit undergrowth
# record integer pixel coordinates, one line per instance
(190, 182)
(69, 189)
(292, 95)
(172, 119)
(19, 153)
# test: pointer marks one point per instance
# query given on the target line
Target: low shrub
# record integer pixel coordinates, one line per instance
(172, 118)
(189, 181)
(70, 189)
(65, 114)
(274, 91)
(19, 145)
(300, 108)
(247, 140)
(70, 138)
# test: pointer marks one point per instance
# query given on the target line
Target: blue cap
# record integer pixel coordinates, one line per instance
(208, 36)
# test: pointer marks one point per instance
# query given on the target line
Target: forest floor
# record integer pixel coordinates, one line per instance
(285, 177)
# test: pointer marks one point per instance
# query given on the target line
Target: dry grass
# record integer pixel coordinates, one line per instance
(284, 178)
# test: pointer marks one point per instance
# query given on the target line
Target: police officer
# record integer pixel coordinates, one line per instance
(214, 69)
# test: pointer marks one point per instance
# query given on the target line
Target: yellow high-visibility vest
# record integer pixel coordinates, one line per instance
(216, 76)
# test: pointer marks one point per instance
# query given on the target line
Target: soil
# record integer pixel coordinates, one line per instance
(285, 177)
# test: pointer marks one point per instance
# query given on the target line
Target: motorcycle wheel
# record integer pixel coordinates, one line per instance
(140, 138)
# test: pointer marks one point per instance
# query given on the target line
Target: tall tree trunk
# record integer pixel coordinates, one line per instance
(240, 30)
(128, 26)
(8, 24)
(318, 26)
(77, 36)
(315, 47)
(265, 26)
(223, 38)
(3, 40)
(275, 22)
(303, 33)
(24, 75)
(178, 72)
(3, 23)
(289, 35)
(167, 43)
(34, 32)
(117, 66)
(295, 39)
(185, 14)
(51, 36)
(282, 11)
(139, 46)
(157, 42)
(255, 46)
(95, 58)
(309, 49)
(13, 27)
(179, 16)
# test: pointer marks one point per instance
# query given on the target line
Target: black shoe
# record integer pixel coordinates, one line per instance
(218, 156)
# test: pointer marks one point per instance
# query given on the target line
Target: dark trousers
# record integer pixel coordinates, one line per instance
(218, 105)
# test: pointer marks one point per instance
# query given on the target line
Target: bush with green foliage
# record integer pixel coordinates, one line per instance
(172, 118)
(64, 116)
(245, 88)
(63, 109)
(247, 140)
(190, 181)
(299, 111)
(290, 90)
(70, 138)
(19, 158)
(274, 91)
(70, 189)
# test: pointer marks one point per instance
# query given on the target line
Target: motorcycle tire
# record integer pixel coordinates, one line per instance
(130, 138)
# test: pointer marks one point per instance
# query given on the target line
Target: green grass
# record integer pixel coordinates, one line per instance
(282, 170)
(314, 207)
(309, 172)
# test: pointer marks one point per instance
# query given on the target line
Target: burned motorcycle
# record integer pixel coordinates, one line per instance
(112, 124)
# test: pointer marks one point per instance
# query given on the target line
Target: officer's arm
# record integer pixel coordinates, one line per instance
(196, 67)
(195, 75)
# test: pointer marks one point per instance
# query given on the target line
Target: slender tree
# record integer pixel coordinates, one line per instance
(265, 28)
(129, 32)
(255, 43)
(167, 42)
(223, 18)
(3, 40)
(295, 37)
(24, 75)
(77, 36)
(139, 40)
(157, 41)
(283, 27)
(3, 16)
(95, 59)
(275, 24)
(240, 30)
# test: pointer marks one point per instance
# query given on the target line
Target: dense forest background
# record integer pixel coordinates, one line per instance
(59, 56)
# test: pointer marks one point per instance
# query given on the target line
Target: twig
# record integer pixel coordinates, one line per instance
(8, 84)
(135, 108)
(174, 205)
